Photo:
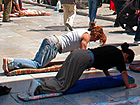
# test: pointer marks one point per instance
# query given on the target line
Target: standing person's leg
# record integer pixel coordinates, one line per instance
(1, 6)
(20, 4)
(65, 8)
(68, 75)
(92, 10)
(7, 10)
(119, 5)
(71, 15)
(137, 36)
(112, 6)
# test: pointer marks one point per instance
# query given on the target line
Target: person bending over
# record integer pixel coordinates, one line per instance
(76, 39)
(102, 58)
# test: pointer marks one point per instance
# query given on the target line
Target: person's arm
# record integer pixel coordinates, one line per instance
(72, 50)
(126, 81)
(137, 12)
(84, 40)
(83, 44)
(106, 72)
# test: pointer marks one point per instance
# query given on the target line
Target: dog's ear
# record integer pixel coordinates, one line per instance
(92, 24)
(103, 39)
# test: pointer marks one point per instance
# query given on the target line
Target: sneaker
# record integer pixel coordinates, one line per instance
(8, 21)
(136, 43)
(69, 27)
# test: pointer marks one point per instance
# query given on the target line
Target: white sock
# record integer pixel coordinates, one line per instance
(34, 84)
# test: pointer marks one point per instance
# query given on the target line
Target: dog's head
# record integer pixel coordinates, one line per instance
(97, 33)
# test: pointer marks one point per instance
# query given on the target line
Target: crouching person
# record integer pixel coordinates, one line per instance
(102, 58)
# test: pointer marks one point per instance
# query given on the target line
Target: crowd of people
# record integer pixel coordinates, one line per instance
(10, 6)
(76, 41)
(127, 14)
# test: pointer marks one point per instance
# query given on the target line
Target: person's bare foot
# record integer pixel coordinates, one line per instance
(5, 67)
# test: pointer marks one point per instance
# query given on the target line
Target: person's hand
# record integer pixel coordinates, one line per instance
(137, 12)
(132, 85)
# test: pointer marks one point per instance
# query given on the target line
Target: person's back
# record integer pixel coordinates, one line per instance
(71, 40)
(107, 57)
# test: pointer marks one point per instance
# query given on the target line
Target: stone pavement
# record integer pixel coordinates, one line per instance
(22, 38)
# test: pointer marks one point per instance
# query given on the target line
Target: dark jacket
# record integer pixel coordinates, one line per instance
(68, 1)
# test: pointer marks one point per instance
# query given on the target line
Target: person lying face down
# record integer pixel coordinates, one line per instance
(76, 39)
(102, 58)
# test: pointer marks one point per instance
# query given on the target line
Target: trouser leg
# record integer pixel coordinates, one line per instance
(69, 14)
(7, 10)
(92, 10)
(20, 4)
(47, 51)
(137, 36)
(19, 63)
(68, 75)
(1, 6)
(65, 14)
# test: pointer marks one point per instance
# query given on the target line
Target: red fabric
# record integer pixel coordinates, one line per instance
(135, 67)
(112, 5)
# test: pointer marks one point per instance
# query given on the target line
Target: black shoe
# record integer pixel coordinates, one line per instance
(60, 10)
(136, 43)
(129, 29)
(114, 13)
(116, 24)
(69, 26)
(8, 21)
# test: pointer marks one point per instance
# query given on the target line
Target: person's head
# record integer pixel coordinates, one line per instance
(97, 33)
(128, 54)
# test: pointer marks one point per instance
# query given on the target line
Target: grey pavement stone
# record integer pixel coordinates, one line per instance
(18, 86)
(7, 100)
(87, 98)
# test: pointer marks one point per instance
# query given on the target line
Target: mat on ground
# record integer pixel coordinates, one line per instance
(82, 86)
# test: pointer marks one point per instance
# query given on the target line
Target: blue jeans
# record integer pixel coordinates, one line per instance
(46, 53)
(137, 36)
(92, 9)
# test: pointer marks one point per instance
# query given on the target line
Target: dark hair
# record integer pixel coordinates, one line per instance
(125, 49)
